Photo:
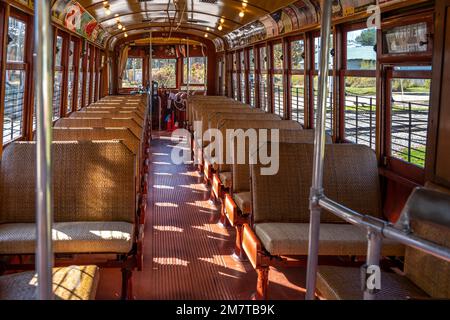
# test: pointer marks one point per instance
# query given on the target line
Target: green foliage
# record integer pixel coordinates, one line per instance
(417, 156)
(367, 37)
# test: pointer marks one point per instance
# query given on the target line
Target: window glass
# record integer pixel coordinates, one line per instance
(298, 98)
(278, 56)
(16, 40)
(164, 72)
(361, 53)
(198, 70)
(360, 110)
(132, 77)
(297, 55)
(14, 105)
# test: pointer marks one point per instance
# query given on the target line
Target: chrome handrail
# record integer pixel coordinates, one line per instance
(377, 229)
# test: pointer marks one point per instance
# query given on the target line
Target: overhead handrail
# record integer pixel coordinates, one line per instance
(377, 229)
(43, 83)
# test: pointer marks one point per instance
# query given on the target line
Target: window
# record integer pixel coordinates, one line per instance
(198, 71)
(409, 111)
(329, 106)
(278, 89)
(88, 77)
(80, 80)
(133, 73)
(263, 81)
(242, 76)
(94, 89)
(252, 77)
(58, 78)
(360, 87)
(15, 80)
(164, 72)
(235, 76)
(71, 80)
(298, 81)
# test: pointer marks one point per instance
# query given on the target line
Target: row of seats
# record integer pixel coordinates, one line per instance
(271, 212)
(100, 166)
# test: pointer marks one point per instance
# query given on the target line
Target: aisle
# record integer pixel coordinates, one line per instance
(187, 255)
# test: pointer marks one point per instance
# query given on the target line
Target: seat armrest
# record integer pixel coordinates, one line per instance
(253, 248)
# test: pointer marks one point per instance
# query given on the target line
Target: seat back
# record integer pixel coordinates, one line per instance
(92, 181)
(241, 172)
(108, 114)
(90, 134)
(251, 122)
(428, 212)
(101, 123)
(350, 178)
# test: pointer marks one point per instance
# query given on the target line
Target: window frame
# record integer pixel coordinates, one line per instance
(277, 73)
(75, 70)
(26, 66)
(314, 72)
(62, 68)
(344, 73)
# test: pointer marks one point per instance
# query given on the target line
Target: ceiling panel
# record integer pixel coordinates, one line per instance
(180, 15)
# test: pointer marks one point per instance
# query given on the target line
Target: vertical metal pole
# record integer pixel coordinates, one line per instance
(373, 258)
(44, 91)
(319, 153)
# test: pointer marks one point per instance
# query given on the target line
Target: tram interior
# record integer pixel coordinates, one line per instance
(313, 137)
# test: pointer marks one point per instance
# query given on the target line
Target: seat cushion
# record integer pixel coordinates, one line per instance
(69, 237)
(243, 201)
(335, 240)
(226, 179)
(341, 283)
(70, 283)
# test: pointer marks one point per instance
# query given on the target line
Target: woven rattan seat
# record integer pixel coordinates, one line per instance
(292, 239)
(70, 283)
(341, 283)
(243, 201)
(69, 237)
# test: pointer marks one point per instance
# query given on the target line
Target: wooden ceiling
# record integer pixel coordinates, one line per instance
(195, 17)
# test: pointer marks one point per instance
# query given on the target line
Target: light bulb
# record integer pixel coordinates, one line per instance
(208, 28)
(244, 4)
(107, 12)
(206, 35)
(120, 26)
(222, 20)
(241, 14)
(220, 28)
(126, 35)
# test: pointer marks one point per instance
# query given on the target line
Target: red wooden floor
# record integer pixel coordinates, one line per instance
(187, 255)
